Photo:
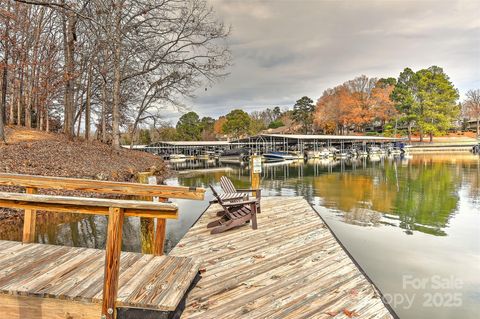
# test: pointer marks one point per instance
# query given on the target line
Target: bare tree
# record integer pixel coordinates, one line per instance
(471, 107)
(120, 61)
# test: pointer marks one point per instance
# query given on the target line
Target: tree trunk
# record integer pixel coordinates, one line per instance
(104, 112)
(2, 116)
(4, 87)
(88, 102)
(69, 24)
(47, 120)
(431, 137)
(80, 116)
(478, 127)
(117, 77)
(19, 99)
(409, 131)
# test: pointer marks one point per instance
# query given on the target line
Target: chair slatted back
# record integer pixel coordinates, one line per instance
(227, 185)
(217, 196)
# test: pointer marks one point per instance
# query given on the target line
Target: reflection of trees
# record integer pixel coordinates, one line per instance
(351, 190)
(422, 194)
(427, 197)
(471, 179)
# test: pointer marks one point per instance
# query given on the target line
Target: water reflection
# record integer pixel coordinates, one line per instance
(418, 194)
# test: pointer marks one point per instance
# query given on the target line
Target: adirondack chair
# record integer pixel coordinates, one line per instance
(235, 214)
(228, 187)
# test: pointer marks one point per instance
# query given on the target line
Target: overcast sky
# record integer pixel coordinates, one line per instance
(285, 49)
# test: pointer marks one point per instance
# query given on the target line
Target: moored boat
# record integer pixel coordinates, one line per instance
(296, 154)
(325, 153)
(278, 156)
(313, 154)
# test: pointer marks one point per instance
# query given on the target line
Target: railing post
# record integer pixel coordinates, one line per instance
(160, 234)
(255, 171)
(29, 220)
(113, 250)
(159, 240)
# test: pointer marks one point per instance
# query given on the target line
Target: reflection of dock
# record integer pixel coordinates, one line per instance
(292, 266)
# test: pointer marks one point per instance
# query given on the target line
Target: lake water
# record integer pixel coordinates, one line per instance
(412, 225)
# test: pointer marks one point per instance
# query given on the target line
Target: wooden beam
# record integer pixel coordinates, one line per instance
(112, 262)
(85, 201)
(85, 209)
(87, 205)
(160, 234)
(21, 307)
(105, 187)
(29, 221)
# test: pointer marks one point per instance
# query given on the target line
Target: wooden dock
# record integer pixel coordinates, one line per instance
(291, 267)
(46, 281)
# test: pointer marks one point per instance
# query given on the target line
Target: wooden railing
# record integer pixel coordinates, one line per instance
(115, 209)
(32, 183)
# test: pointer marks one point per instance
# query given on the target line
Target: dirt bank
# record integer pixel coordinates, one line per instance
(52, 154)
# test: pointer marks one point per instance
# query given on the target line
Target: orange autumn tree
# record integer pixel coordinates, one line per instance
(330, 113)
(218, 126)
(355, 105)
(360, 112)
(382, 106)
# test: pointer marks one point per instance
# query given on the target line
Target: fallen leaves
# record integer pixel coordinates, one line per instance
(345, 311)
(349, 314)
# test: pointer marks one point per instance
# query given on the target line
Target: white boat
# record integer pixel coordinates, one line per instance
(362, 153)
(203, 157)
(394, 151)
(177, 156)
(352, 152)
(325, 153)
(313, 154)
(278, 156)
(374, 150)
(296, 154)
(341, 155)
(331, 151)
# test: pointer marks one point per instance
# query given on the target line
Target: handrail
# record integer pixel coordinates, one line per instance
(105, 187)
(97, 206)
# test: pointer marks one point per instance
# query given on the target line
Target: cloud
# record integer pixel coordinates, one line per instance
(285, 49)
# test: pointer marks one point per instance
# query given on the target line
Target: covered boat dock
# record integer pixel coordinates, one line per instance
(188, 148)
(264, 143)
(302, 143)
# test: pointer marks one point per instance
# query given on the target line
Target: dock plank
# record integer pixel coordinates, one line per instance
(291, 267)
(76, 274)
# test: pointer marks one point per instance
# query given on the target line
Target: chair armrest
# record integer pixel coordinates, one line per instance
(249, 189)
(246, 202)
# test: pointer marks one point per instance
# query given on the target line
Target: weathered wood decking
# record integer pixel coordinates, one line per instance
(38, 281)
(291, 267)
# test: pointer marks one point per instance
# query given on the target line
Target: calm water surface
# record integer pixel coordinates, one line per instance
(413, 225)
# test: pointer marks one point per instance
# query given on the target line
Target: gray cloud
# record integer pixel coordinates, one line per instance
(285, 49)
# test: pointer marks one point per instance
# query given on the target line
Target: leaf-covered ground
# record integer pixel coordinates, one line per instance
(52, 154)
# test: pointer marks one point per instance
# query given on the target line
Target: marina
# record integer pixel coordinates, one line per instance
(272, 147)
